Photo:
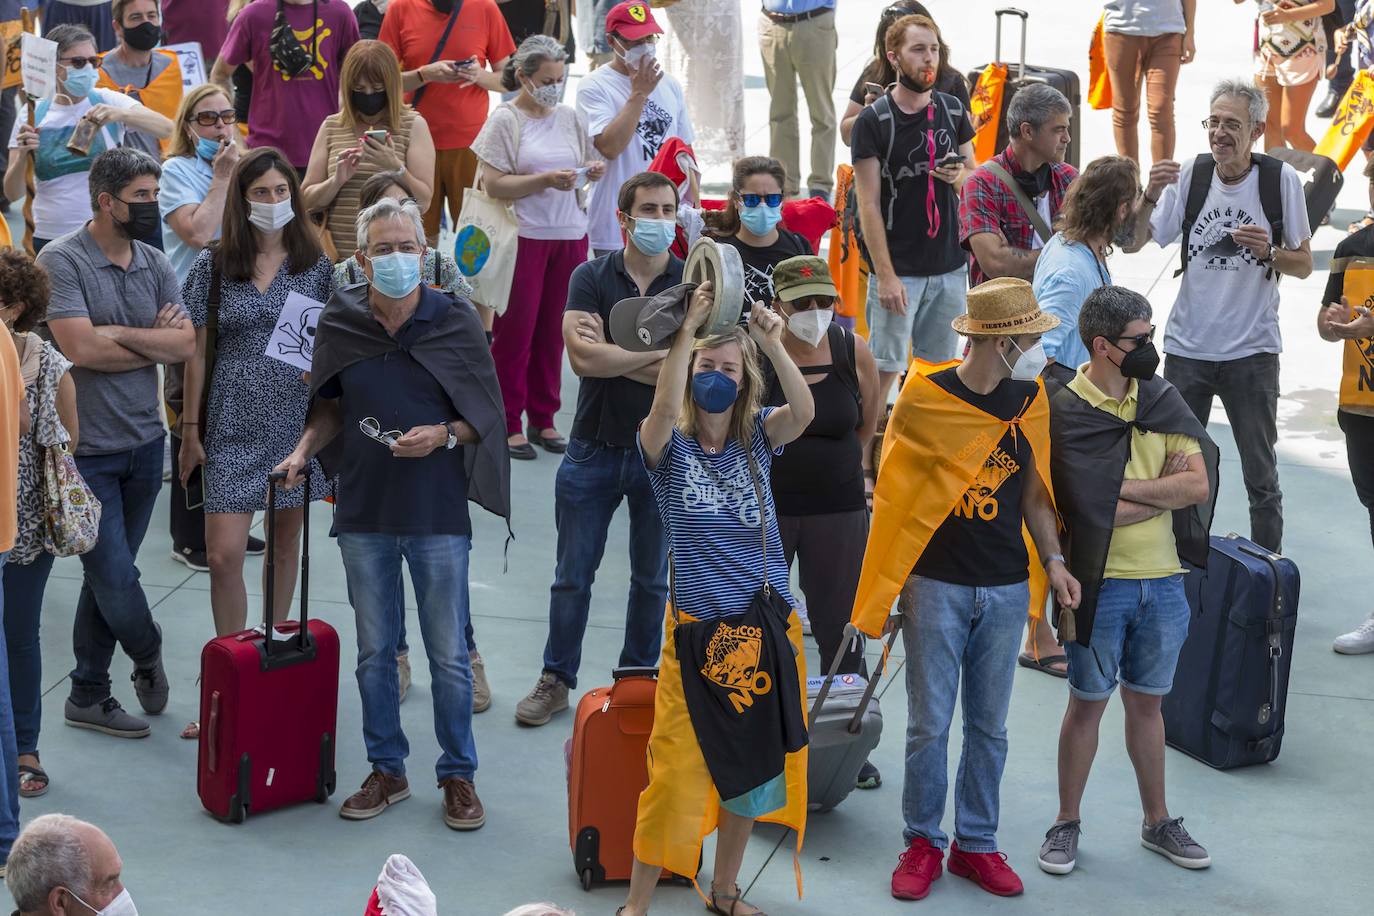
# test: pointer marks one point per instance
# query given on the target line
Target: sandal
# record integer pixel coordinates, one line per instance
(27, 777)
(554, 444)
(735, 900)
(1361, 223)
(1045, 664)
(191, 732)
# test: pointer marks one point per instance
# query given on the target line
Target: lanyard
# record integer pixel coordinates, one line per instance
(932, 207)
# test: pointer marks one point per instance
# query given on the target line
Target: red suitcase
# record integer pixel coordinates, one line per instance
(268, 707)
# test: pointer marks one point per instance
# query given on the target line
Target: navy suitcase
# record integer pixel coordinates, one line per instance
(1231, 687)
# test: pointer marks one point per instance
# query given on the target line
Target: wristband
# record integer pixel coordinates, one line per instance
(1051, 558)
(1154, 201)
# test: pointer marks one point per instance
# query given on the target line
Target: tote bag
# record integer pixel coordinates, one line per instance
(485, 246)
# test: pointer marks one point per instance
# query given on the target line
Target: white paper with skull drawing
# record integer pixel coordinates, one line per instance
(293, 340)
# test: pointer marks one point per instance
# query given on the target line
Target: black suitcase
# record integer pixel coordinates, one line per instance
(1322, 181)
(1231, 687)
(1022, 74)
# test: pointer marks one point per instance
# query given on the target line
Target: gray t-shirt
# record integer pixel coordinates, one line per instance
(137, 78)
(1145, 17)
(119, 411)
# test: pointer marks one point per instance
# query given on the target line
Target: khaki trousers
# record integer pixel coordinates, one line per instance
(454, 172)
(801, 50)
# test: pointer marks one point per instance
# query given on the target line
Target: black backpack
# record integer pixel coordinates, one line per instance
(1271, 199)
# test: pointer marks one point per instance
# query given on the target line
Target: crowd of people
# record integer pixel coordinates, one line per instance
(918, 457)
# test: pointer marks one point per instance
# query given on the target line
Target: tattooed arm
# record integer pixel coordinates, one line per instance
(998, 258)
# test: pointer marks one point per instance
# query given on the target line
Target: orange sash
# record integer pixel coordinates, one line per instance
(985, 107)
(1099, 82)
(162, 95)
(1351, 123)
(935, 448)
(847, 266)
(1357, 372)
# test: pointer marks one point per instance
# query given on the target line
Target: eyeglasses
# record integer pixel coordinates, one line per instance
(1230, 125)
(373, 430)
(1140, 339)
(211, 118)
(79, 62)
(753, 200)
(808, 303)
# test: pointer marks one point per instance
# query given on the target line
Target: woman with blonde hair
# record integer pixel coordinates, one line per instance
(709, 447)
(373, 131)
(195, 176)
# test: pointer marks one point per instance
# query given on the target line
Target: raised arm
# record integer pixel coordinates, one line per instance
(657, 428)
(789, 421)
(611, 142)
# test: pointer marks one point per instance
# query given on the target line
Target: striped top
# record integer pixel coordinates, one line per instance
(343, 212)
(711, 514)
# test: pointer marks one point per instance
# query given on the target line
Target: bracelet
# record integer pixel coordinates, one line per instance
(1154, 201)
(421, 74)
(1046, 561)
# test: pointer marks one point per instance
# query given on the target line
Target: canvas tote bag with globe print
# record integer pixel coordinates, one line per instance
(487, 238)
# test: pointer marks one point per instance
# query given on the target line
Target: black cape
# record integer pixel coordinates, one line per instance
(1088, 455)
(455, 352)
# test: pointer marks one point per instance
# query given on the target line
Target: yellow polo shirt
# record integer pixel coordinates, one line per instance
(1145, 550)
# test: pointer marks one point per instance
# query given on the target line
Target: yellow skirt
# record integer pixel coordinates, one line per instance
(680, 806)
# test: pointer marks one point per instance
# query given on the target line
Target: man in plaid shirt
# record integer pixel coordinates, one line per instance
(992, 226)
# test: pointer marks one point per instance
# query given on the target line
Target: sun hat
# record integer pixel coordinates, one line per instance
(1006, 307)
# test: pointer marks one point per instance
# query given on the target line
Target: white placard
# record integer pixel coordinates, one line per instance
(192, 61)
(293, 340)
(38, 63)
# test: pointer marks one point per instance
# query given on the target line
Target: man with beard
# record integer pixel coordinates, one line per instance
(1011, 202)
(1244, 223)
(115, 312)
(911, 148)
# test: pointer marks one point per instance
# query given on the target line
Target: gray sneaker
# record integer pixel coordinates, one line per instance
(1169, 839)
(150, 684)
(481, 690)
(106, 716)
(1059, 852)
(550, 695)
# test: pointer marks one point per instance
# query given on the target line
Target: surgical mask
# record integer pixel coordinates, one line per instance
(80, 82)
(368, 103)
(271, 217)
(653, 236)
(713, 391)
(546, 96)
(145, 219)
(762, 219)
(123, 905)
(207, 148)
(143, 37)
(637, 56)
(1029, 364)
(810, 326)
(396, 275)
(1140, 363)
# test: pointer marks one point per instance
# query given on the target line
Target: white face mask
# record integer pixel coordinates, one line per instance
(546, 96)
(637, 56)
(271, 217)
(1029, 364)
(123, 905)
(810, 326)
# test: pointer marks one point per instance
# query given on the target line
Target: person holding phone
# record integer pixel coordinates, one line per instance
(535, 151)
(374, 131)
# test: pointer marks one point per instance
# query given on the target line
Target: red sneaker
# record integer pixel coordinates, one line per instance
(916, 868)
(988, 870)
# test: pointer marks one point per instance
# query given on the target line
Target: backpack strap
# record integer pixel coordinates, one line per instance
(882, 107)
(1203, 168)
(1042, 229)
(844, 361)
(1271, 198)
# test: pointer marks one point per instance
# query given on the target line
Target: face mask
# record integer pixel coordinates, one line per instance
(1140, 363)
(206, 148)
(1029, 364)
(653, 236)
(80, 82)
(924, 80)
(637, 56)
(714, 392)
(546, 96)
(143, 37)
(144, 220)
(760, 220)
(810, 326)
(123, 905)
(395, 275)
(271, 217)
(368, 103)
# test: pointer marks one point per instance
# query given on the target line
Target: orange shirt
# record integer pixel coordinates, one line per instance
(11, 396)
(455, 112)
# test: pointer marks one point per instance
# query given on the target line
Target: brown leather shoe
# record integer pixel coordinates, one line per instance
(462, 807)
(379, 791)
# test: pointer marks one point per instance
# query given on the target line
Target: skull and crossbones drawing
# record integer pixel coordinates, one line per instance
(302, 339)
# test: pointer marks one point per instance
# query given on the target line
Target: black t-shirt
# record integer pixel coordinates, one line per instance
(759, 264)
(913, 253)
(980, 543)
(369, 20)
(526, 17)
(1358, 245)
(609, 410)
(950, 82)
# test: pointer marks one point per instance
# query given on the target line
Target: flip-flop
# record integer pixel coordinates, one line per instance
(1029, 661)
(28, 774)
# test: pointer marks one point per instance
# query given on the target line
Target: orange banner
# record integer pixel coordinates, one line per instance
(985, 107)
(9, 35)
(1351, 123)
(1099, 84)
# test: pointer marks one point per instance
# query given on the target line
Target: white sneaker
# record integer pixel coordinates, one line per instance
(1358, 641)
(805, 620)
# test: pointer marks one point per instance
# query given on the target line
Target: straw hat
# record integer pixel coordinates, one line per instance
(1004, 307)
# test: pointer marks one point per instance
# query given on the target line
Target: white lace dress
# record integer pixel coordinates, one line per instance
(703, 46)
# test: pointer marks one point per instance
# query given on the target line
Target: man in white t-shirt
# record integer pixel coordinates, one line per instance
(632, 107)
(1222, 338)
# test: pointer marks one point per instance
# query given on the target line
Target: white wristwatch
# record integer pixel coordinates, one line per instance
(452, 437)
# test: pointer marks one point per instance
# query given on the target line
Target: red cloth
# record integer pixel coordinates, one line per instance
(809, 217)
(374, 905)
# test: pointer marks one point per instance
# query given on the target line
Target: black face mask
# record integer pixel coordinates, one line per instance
(443, 6)
(368, 103)
(143, 37)
(1034, 183)
(1139, 363)
(913, 84)
(144, 219)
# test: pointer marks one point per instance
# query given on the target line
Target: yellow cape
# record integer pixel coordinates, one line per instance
(162, 95)
(935, 446)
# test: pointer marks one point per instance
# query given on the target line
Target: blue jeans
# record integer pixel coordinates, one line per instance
(591, 482)
(931, 304)
(439, 574)
(9, 755)
(23, 603)
(112, 607)
(948, 628)
(1138, 631)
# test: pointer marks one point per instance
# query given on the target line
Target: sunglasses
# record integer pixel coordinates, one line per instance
(79, 62)
(809, 303)
(1140, 339)
(211, 118)
(373, 430)
(753, 200)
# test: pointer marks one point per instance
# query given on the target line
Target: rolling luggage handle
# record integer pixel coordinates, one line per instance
(997, 55)
(852, 632)
(1273, 631)
(304, 649)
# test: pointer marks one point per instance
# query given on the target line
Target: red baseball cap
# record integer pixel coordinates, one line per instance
(632, 21)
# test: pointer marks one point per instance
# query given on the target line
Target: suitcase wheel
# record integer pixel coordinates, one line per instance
(237, 813)
(586, 877)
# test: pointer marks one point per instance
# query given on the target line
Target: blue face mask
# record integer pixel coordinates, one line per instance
(653, 236)
(714, 391)
(80, 82)
(207, 149)
(762, 219)
(395, 275)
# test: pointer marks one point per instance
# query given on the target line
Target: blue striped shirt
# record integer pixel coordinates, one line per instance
(710, 512)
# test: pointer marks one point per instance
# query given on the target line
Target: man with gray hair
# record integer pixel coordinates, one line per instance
(406, 411)
(1243, 223)
(116, 313)
(61, 866)
(1009, 204)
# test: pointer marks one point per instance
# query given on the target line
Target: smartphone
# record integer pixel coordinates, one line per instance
(951, 159)
(464, 63)
(580, 176)
(873, 88)
(378, 135)
(195, 489)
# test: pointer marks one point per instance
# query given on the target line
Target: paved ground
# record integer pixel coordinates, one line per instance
(1290, 837)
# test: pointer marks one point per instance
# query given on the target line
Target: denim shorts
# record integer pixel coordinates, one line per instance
(931, 304)
(1138, 630)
